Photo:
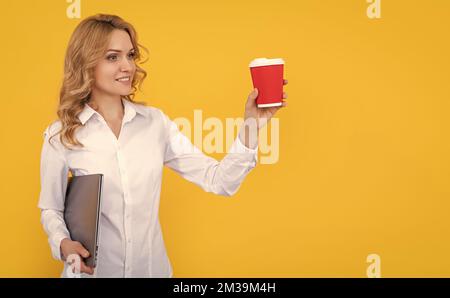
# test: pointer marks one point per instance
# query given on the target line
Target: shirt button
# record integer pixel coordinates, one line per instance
(129, 240)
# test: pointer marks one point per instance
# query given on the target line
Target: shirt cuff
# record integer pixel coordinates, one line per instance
(241, 148)
(56, 245)
(248, 154)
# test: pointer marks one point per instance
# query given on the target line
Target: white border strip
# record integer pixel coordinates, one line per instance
(266, 105)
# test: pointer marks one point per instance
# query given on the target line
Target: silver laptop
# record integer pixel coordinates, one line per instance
(82, 212)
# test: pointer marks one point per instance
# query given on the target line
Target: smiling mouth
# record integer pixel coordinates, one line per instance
(123, 79)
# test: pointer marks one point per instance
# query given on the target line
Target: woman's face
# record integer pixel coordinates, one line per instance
(114, 73)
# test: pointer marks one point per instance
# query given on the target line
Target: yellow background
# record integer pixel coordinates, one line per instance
(364, 162)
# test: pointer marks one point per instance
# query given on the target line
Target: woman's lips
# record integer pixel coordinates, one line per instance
(124, 81)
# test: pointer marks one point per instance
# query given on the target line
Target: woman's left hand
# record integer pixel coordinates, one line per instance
(255, 118)
(262, 115)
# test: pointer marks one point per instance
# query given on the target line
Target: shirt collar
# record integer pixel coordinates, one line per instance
(130, 111)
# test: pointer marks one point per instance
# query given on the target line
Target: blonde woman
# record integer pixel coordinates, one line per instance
(101, 129)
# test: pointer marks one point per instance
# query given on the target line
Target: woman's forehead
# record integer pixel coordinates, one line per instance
(120, 40)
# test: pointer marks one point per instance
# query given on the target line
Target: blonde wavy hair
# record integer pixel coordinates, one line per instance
(86, 47)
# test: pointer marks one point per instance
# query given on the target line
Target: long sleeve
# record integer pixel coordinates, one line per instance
(53, 172)
(222, 178)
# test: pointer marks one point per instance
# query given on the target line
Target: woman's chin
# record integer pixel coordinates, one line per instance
(124, 91)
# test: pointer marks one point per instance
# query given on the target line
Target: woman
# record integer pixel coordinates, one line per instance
(102, 130)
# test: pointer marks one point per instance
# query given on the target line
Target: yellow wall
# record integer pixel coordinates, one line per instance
(364, 165)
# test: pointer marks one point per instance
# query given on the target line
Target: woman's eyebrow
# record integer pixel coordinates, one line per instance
(118, 51)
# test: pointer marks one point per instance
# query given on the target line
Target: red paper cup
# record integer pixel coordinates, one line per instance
(267, 77)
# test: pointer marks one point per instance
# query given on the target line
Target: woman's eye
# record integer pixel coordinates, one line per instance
(114, 57)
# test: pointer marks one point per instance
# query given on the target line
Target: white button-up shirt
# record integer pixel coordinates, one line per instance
(130, 239)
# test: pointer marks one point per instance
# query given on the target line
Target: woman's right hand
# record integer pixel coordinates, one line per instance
(69, 247)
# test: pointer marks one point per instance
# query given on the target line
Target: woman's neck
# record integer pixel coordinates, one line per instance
(110, 107)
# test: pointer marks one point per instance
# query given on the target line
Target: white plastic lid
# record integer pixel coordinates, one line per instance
(264, 62)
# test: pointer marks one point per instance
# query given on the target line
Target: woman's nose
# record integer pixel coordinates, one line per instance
(126, 65)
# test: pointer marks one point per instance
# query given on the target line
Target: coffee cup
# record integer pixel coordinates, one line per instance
(267, 77)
